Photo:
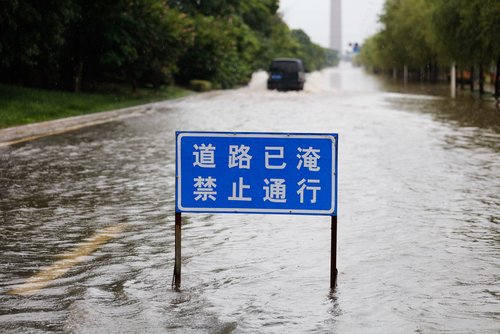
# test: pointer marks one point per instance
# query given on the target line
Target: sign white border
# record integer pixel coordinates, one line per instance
(178, 199)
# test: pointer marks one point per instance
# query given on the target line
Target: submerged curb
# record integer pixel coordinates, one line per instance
(25, 133)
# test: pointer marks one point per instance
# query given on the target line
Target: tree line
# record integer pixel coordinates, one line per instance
(77, 44)
(426, 36)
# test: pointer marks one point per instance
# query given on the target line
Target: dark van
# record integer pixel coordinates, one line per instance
(286, 74)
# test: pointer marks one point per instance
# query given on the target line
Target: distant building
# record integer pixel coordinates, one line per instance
(336, 25)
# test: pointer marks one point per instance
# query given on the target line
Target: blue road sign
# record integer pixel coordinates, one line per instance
(278, 173)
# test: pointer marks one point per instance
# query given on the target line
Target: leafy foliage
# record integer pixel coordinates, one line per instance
(31, 39)
(420, 33)
(76, 44)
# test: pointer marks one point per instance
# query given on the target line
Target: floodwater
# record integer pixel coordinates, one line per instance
(87, 221)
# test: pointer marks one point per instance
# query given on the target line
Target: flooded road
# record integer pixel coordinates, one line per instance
(87, 221)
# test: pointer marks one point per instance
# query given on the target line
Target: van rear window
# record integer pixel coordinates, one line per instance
(284, 66)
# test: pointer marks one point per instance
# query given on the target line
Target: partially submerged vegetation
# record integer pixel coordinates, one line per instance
(425, 37)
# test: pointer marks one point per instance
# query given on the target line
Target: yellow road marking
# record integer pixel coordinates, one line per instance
(67, 261)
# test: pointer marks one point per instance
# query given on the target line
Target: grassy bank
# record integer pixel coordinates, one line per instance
(20, 105)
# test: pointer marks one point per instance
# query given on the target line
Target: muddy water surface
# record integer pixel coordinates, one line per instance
(419, 215)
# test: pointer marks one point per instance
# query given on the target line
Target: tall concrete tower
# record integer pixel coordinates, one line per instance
(336, 25)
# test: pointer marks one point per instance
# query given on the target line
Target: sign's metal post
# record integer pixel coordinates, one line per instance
(177, 266)
(256, 173)
(333, 260)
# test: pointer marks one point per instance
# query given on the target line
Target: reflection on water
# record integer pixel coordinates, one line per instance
(419, 210)
(345, 79)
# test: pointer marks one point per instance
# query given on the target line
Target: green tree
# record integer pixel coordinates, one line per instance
(144, 42)
(405, 34)
(436, 32)
(468, 32)
(259, 15)
(490, 24)
(31, 37)
(126, 41)
(221, 52)
(217, 8)
(311, 54)
(279, 43)
(77, 44)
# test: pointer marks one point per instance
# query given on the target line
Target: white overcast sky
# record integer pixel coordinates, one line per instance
(359, 19)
